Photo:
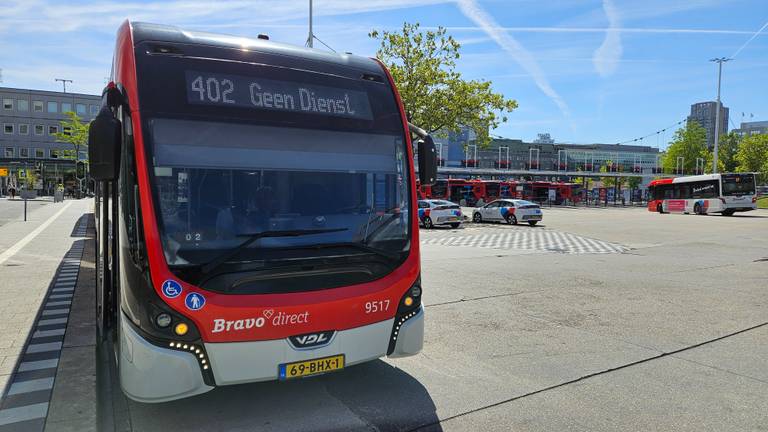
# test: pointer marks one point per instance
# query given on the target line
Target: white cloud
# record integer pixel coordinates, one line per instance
(477, 15)
(607, 56)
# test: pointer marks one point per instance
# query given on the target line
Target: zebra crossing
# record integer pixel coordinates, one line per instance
(527, 239)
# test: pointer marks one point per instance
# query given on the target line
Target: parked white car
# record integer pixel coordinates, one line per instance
(511, 211)
(433, 212)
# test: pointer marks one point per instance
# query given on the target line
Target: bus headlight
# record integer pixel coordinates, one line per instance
(163, 320)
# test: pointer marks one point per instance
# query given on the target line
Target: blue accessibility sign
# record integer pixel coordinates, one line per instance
(194, 301)
(171, 289)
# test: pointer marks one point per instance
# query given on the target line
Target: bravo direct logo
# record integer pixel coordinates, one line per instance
(269, 316)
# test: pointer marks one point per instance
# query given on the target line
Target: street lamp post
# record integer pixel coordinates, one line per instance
(719, 62)
(64, 82)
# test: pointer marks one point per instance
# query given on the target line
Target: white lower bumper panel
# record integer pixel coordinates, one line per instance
(241, 362)
(149, 373)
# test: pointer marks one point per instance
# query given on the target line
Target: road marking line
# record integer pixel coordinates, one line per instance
(13, 250)
(23, 413)
(58, 303)
(60, 296)
(30, 386)
(43, 347)
(52, 321)
(46, 333)
(37, 365)
(55, 312)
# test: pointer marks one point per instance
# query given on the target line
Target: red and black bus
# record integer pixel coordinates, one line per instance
(256, 212)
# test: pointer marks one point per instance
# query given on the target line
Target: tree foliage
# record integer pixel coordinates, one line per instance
(727, 147)
(610, 182)
(752, 156)
(435, 95)
(689, 143)
(74, 132)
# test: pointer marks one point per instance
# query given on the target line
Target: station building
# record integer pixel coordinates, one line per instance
(460, 150)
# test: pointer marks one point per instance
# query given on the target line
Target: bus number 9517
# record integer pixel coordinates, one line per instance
(376, 306)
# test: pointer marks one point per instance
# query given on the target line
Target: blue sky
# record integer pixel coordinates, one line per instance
(583, 70)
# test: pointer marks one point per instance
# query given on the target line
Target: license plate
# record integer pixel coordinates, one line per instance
(311, 367)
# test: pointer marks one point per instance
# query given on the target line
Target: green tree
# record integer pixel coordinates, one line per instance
(689, 143)
(634, 182)
(74, 132)
(610, 182)
(752, 156)
(436, 97)
(727, 147)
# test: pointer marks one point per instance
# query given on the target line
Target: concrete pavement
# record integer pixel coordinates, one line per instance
(31, 255)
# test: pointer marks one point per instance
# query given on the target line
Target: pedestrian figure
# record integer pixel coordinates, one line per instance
(12, 191)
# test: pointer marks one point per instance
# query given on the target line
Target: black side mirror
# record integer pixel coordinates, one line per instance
(427, 156)
(104, 138)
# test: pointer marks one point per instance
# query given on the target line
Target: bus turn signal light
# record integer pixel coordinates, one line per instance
(181, 329)
(408, 301)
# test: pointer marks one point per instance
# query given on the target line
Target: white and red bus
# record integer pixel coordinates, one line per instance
(702, 194)
(256, 212)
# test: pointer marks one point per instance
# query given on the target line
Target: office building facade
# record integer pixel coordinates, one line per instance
(29, 153)
(752, 128)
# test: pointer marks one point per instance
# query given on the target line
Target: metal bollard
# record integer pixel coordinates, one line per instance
(25, 209)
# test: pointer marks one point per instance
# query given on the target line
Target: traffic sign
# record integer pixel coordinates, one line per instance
(3, 172)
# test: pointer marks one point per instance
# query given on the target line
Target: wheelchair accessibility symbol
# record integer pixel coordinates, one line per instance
(194, 301)
(171, 289)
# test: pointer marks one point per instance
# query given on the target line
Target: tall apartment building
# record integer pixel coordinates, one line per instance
(30, 119)
(704, 113)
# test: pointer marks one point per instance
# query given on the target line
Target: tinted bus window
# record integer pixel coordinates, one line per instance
(708, 189)
(738, 184)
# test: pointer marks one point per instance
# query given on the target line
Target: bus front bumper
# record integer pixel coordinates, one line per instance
(149, 373)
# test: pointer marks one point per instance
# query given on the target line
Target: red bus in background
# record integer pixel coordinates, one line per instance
(460, 191)
(225, 254)
(492, 190)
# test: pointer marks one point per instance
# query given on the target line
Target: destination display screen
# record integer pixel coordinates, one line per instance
(265, 94)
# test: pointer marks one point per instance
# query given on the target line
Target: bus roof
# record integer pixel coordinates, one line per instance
(145, 32)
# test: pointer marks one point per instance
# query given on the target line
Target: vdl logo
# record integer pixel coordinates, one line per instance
(312, 340)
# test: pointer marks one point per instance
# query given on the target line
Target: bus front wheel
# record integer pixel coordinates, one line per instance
(660, 208)
(728, 212)
(697, 209)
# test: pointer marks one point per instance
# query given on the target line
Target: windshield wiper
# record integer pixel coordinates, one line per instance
(253, 237)
(386, 221)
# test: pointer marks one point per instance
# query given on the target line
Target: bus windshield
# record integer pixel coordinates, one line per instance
(217, 183)
(738, 184)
